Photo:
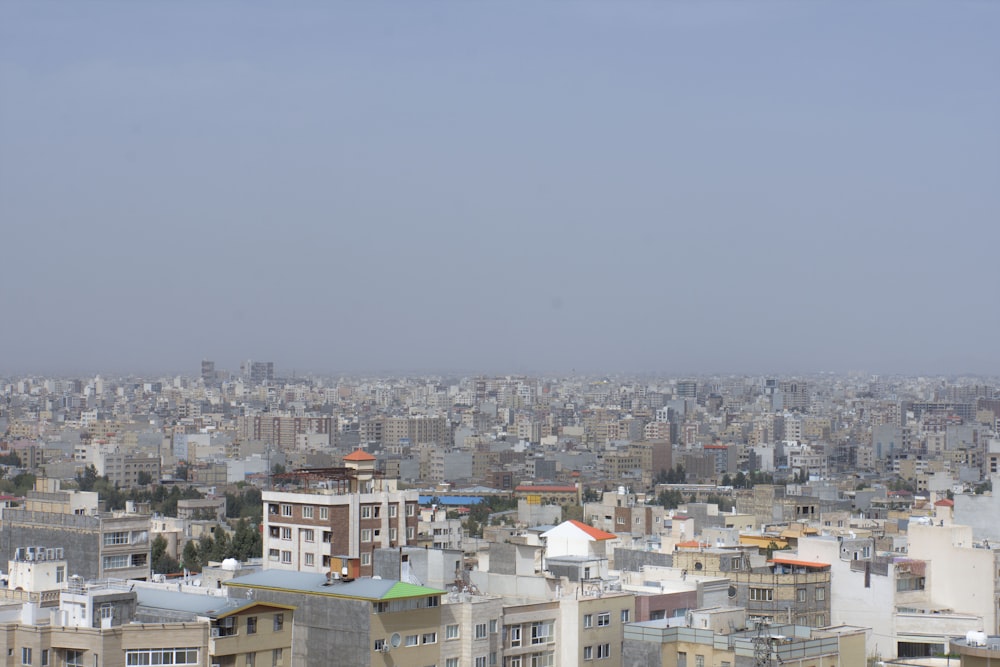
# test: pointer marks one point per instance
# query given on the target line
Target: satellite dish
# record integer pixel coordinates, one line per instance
(395, 640)
(732, 591)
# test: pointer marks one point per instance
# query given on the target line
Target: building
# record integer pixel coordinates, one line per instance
(97, 545)
(378, 622)
(348, 512)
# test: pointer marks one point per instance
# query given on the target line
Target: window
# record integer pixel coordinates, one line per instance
(286, 557)
(682, 659)
(761, 594)
(366, 534)
(480, 631)
(626, 614)
(308, 535)
(376, 511)
(621, 521)
(392, 534)
(409, 532)
(393, 509)
(409, 510)
(251, 659)
(156, 656)
(515, 636)
(286, 533)
(276, 657)
(588, 620)
(541, 632)
(820, 593)
(60, 574)
(604, 652)
(366, 511)
(286, 510)
(412, 640)
(45, 657)
(604, 619)
(493, 626)
(272, 508)
(366, 559)
(800, 595)
(433, 600)
(310, 559)
(74, 658)
(251, 625)
(324, 512)
(451, 632)
(820, 620)
(25, 655)
(279, 622)
(117, 562)
(379, 644)
(493, 658)
(429, 638)
(107, 612)
(273, 554)
(588, 652)
(699, 661)
(117, 538)
(307, 511)
(481, 661)
(451, 662)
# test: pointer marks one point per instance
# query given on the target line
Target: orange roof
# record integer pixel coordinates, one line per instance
(793, 561)
(692, 544)
(944, 502)
(545, 489)
(359, 455)
(596, 533)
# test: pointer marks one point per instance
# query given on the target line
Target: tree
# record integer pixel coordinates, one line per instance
(190, 558)
(181, 471)
(144, 478)
(86, 480)
(591, 495)
(740, 481)
(727, 480)
(161, 561)
(247, 541)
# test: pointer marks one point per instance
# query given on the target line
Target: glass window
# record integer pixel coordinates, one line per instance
(604, 619)
(307, 511)
(286, 510)
(286, 557)
(820, 593)
(429, 638)
(412, 640)
(480, 631)
(251, 625)
(604, 651)
(493, 626)
(308, 535)
(276, 657)
(324, 512)
(588, 620)
(588, 652)
(279, 622)
(626, 614)
(25, 655)
(286, 533)
(393, 509)
(310, 559)
(451, 632)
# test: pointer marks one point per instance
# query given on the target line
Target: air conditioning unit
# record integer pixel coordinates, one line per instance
(216, 632)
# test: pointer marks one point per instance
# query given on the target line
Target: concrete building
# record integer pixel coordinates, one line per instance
(97, 545)
(376, 622)
(349, 512)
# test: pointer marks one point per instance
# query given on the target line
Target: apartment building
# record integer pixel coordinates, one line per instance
(98, 545)
(348, 512)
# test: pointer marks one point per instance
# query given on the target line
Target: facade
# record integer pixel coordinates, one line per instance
(356, 513)
(97, 545)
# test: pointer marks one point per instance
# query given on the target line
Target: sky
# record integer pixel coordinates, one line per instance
(659, 187)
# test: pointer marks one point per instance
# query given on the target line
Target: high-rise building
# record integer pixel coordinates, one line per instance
(347, 513)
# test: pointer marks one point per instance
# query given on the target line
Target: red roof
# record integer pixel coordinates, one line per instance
(359, 455)
(596, 533)
(944, 502)
(545, 489)
(793, 561)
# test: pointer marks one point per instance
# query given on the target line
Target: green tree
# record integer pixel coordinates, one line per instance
(161, 561)
(247, 541)
(190, 558)
(144, 478)
(727, 480)
(86, 480)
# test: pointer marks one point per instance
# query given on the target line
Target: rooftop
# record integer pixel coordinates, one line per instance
(316, 584)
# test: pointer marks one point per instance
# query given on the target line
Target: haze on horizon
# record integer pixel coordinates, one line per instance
(589, 186)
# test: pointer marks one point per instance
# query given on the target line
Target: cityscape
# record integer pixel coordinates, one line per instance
(499, 334)
(241, 517)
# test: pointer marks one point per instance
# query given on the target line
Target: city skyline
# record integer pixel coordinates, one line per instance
(678, 188)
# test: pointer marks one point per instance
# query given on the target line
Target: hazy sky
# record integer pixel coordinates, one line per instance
(500, 186)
